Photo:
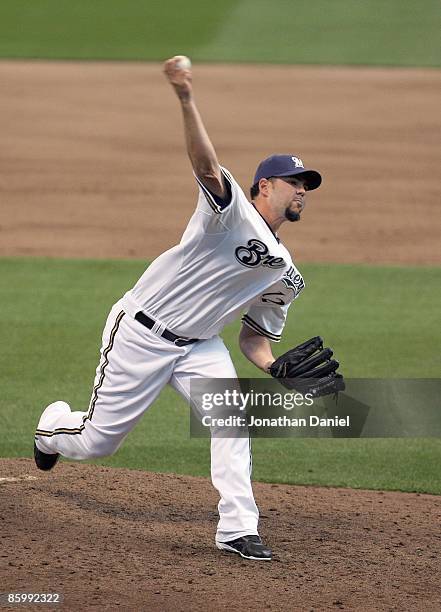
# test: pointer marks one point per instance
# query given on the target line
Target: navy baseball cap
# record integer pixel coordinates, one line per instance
(287, 165)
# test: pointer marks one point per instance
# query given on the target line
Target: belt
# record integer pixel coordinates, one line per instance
(167, 334)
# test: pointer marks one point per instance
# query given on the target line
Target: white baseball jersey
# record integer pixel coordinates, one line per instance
(229, 260)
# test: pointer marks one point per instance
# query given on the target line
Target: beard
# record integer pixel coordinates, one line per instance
(292, 215)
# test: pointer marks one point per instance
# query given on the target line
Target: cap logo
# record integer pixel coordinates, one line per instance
(297, 162)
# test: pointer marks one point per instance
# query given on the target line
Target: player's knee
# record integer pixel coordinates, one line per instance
(102, 446)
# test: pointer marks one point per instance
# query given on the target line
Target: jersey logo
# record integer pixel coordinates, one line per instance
(297, 162)
(256, 254)
(294, 280)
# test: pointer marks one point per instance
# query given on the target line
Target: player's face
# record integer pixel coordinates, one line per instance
(289, 196)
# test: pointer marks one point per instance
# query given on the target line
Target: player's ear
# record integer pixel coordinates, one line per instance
(264, 186)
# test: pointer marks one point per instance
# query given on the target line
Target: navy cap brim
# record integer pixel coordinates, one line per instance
(312, 177)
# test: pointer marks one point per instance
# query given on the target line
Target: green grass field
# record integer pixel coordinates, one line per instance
(383, 323)
(392, 32)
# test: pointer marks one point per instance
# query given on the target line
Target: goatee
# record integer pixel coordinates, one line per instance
(292, 215)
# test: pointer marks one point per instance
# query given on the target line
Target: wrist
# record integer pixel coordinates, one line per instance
(185, 98)
(267, 366)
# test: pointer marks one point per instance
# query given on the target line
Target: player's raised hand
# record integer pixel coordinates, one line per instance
(178, 72)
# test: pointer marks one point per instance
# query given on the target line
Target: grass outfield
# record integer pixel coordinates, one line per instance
(382, 321)
(392, 32)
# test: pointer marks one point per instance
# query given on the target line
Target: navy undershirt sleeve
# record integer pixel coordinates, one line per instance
(222, 202)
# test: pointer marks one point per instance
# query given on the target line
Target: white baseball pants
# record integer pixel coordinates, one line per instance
(135, 365)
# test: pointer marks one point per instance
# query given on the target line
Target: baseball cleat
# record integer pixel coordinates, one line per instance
(45, 461)
(248, 547)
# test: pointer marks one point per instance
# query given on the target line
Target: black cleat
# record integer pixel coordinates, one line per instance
(45, 461)
(248, 547)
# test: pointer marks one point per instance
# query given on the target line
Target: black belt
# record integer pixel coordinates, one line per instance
(168, 335)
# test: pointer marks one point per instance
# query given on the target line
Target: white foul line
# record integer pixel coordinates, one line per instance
(17, 479)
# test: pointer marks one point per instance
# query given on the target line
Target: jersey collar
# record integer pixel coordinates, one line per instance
(267, 224)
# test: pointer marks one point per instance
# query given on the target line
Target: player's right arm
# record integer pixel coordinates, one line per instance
(199, 146)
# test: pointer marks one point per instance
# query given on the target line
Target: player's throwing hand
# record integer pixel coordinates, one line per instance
(178, 72)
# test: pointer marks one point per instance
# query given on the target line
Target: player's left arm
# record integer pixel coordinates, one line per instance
(256, 348)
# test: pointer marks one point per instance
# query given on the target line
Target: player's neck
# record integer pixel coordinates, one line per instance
(273, 221)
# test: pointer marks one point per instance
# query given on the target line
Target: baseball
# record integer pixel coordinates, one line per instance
(183, 62)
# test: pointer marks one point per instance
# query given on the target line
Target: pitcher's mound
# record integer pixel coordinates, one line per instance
(109, 538)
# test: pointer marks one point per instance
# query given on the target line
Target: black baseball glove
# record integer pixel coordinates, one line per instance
(308, 368)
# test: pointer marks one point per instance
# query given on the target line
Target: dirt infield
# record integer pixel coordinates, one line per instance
(116, 540)
(93, 162)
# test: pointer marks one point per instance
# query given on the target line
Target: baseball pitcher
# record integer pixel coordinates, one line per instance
(165, 330)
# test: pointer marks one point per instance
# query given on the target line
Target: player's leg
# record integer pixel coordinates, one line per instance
(230, 457)
(134, 367)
